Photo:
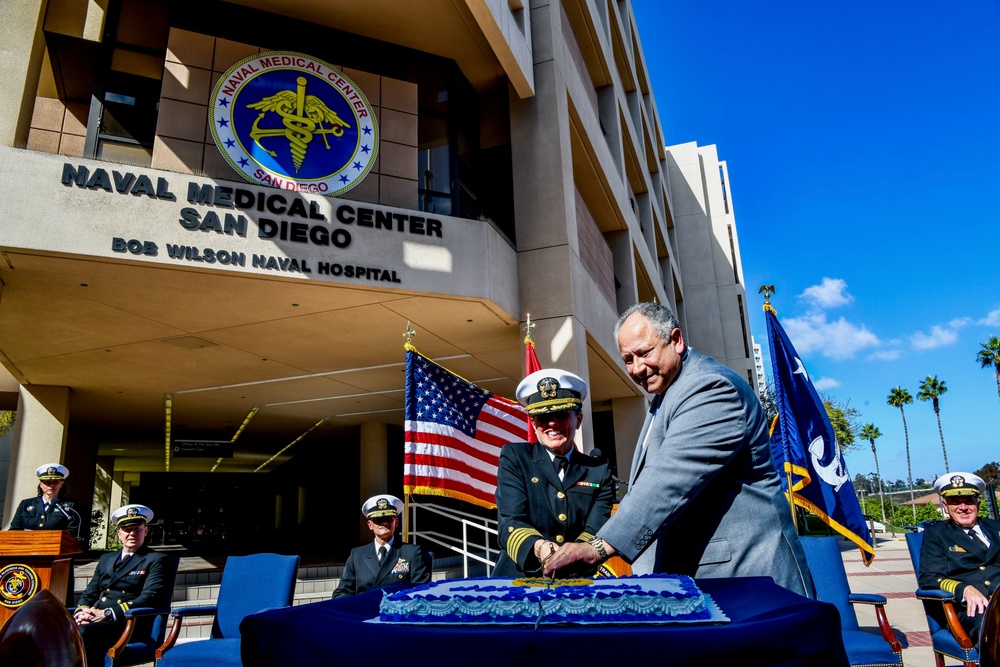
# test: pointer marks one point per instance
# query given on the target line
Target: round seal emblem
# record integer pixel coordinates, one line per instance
(293, 122)
(17, 584)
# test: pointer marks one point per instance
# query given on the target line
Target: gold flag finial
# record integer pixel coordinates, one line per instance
(527, 328)
(410, 333)
(768, 290)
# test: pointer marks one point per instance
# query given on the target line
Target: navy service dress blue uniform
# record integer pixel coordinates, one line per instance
(951, 559)
(401, 563)
(533, 503)
(140, 580)
(57, 514)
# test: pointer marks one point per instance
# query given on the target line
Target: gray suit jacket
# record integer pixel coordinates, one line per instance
(704, 498)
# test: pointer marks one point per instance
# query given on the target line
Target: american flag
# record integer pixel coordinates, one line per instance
(454, 432)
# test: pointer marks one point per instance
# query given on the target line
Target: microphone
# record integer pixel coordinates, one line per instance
(595, 453)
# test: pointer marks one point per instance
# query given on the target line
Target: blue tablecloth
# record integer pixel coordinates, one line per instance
(769, 626)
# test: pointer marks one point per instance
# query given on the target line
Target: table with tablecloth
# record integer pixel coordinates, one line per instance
(768, 626)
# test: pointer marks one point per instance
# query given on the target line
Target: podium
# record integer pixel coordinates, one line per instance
(32, 560)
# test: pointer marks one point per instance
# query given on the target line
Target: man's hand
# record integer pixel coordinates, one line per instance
(975, 602)
(89, 615)
(575, 552)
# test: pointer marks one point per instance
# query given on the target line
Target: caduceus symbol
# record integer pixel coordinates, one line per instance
(303, 117)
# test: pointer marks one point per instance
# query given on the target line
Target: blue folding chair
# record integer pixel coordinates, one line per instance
(948, 637)
(250, 584)
(830, 579)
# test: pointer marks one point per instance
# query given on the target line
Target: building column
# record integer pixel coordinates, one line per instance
(629, 416)
(374, 462)
(39, 437)
(20, 24)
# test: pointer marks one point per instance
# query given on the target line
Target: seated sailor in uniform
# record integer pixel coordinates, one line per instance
(961, 555)
(48, 510)
(134, 576)
(386, 560)
(548, 493)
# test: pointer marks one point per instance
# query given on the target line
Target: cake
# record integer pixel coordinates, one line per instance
(635, 599)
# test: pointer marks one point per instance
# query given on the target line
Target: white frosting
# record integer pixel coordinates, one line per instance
(626, 599)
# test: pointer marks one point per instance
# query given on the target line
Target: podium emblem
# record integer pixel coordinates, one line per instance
(17, 584)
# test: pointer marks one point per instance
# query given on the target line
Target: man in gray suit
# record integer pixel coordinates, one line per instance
(704, 498)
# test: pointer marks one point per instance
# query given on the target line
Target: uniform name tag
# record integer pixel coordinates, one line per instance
(957, 549)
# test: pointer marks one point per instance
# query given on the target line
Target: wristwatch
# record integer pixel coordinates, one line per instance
(109, 614)
(598, 543)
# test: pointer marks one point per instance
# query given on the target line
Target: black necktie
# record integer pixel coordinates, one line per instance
(122, 559)
(381, 553)
(974, 534)
(561, 463)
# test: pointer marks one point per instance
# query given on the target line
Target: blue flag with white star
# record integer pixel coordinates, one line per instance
(805, 448)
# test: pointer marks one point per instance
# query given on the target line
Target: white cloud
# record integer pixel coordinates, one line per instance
(941, 335)
(992, 319)
(836, 340)
(885, 355)
(825, 383)
(831, 293)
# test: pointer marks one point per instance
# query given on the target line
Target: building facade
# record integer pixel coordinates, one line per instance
(184, 324)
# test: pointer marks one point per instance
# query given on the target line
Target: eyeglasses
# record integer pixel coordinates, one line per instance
(962, 500)
(383, 520)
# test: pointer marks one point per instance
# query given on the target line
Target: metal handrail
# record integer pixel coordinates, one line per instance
(486, 525)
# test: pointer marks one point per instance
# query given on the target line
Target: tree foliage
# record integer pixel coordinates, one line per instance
(989, 355)
(7, 418)
(990, 472)
(844, 420)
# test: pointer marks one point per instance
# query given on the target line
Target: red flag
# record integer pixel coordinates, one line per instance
(454, 432)
(530, 366)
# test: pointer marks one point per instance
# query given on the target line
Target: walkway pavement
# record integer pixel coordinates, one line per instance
(891, 574)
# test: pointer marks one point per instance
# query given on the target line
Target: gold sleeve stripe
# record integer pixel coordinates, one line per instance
(516, 540)
(124, 606)
(585, 537)
(949, 585)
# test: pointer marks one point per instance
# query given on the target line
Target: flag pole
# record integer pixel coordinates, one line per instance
(768, 290)
(408, 334)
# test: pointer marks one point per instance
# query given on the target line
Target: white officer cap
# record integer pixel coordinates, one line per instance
(960, 484)
(52, 471)
(551, 390)
(382, 505)
(129, 515)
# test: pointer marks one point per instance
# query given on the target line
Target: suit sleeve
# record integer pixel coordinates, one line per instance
(16, 523)
(93, 590)
(348, 580)
(516, 534)
(934, 567)
(419, 574)
(705, 429)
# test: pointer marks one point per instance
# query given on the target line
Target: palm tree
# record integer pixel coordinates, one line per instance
(990, 355)
(898, 397)
(870, 432)
(930, 390)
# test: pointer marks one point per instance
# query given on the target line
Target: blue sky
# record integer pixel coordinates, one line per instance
(862, 146)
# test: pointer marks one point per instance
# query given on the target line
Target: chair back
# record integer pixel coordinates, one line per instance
(251, 584)
(161, 621)
(934, 613)
(829, 576)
